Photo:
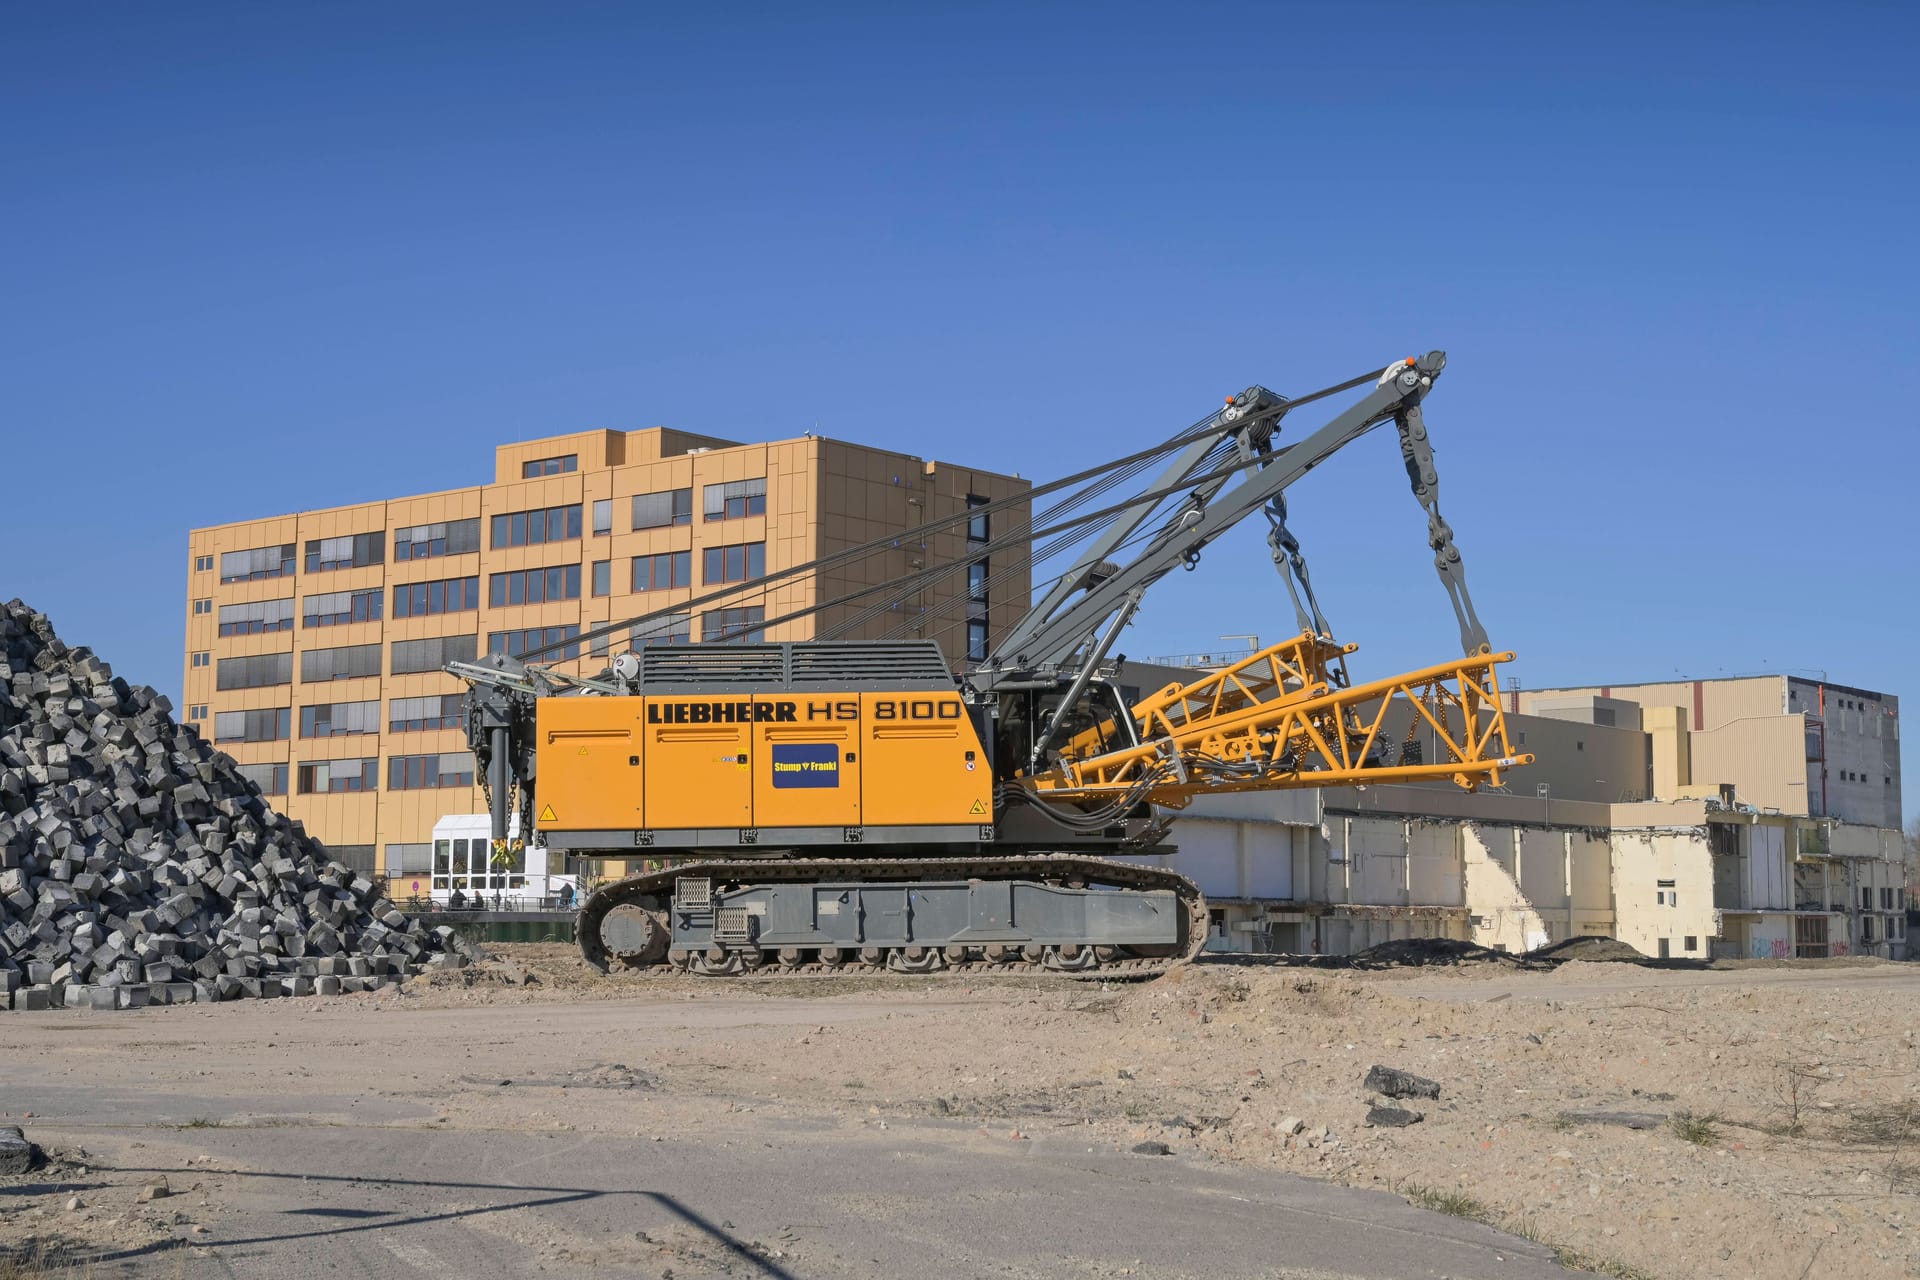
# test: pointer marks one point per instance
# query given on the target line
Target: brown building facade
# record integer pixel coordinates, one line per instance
(316, 641)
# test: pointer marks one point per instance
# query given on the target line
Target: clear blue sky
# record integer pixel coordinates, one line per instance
(269, 257)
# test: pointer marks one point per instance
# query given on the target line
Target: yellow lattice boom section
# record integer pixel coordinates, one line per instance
(1281, 718)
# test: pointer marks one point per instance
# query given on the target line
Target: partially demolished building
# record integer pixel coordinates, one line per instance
(1683, 841)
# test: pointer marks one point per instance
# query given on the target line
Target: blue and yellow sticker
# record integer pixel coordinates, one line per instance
(806, 764)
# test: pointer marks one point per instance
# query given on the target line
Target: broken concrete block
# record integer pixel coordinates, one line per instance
(1395, 1083)
(1384, 1117)
(17, 1155)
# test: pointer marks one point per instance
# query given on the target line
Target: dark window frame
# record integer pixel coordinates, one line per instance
(734, 499)
(540, 468)
(423, 772)
(517, 642)
(534, 586)
(733, 562)
(368, 604)
(441, 595)
(978, 526)
(283, 564)
(744, 624)
(537, 527)
(442, 538)
(367, 549)
(397, 664)
(679, 509)
(367, 779)
(662, 571)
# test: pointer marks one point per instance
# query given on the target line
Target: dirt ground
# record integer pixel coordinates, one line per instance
(1779, 1105)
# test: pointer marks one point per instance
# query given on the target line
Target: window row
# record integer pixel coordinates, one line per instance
(737, 626)
(354, 550)
(727, 501)
(347, 662)
(337, 719)
(267, 725)
(534, 586)
(431, 772)
(326, 777)
(404, 773)
(256, 617)
(348, 551)
(517, 643)
(533, 528)
(734, 499)
(269, 779)
(433, 653)
(416, 715)
(339, 608)
(445, 595)
(256, 672)
(539, 467)
(259, 562)
(671, 628)
(430, 541)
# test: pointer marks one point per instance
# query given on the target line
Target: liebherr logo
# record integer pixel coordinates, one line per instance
(783, 712)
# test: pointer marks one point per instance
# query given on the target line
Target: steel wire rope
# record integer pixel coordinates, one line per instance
(1201, 430)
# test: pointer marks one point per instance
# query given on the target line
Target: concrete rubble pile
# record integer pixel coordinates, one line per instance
(138, 866)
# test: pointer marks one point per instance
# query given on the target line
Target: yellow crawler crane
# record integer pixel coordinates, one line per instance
(854, 801)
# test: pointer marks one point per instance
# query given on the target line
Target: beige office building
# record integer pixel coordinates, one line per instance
(316, 641)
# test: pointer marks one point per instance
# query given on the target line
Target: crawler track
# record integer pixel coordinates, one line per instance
(652, 888)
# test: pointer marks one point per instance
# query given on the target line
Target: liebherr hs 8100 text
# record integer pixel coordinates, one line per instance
(832, 803)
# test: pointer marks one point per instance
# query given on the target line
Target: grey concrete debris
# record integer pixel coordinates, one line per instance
(138, 867)
(1395, 1083)
(17, 1155)
(1384, 1117)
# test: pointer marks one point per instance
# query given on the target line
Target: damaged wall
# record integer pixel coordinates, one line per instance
(1663, 890)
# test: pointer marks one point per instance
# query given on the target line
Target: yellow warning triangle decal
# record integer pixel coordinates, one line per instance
(978, 807)
(546, 814)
